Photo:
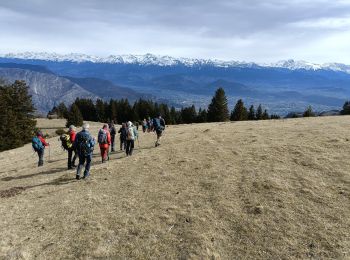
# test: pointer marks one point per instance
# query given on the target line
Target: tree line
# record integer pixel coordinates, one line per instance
(121, 111)
(16, 115)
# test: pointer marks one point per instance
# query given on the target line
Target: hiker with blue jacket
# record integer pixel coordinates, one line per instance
(158, 127)
(39, 144)
(84, 144)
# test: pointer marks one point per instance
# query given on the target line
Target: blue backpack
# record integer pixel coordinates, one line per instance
(37, 144)
(157, 124)
(86, 147)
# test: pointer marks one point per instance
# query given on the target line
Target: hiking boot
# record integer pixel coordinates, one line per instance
(77, 177)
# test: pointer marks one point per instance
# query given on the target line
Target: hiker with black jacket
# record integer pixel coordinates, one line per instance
(123, 134)
(84, 144)
(113, 133)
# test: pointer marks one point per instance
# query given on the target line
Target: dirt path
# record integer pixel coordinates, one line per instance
(248, 190)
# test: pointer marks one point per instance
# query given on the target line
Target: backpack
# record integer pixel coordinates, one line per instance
(102, 137)
(85, 147)
(130, 135)
(157, 124)
(37, 144)
(65, 141)
(112, 130)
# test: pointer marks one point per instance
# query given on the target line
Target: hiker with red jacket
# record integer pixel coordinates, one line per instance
(39, 144)
(71, 161)
(104, 139)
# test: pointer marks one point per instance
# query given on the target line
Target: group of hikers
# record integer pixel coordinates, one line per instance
(81, 145)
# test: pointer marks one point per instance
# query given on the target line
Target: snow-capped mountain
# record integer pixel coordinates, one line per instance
(282, 87)
(150, 59)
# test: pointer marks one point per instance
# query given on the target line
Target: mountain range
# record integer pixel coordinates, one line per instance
(281, 87)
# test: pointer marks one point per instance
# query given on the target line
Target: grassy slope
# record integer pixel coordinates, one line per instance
(272, 189)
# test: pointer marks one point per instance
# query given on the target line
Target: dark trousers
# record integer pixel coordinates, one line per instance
(129, 147)
(82, 160)
(122, 144)
(41, 157)
(112, 142)
(71, 158)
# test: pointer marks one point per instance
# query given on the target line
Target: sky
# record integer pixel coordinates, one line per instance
(244, 30)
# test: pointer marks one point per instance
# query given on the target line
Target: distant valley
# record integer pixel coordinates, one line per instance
(281, 88)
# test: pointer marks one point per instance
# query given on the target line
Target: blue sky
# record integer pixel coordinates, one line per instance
(249, 30)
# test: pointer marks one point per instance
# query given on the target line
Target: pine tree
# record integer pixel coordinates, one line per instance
(189, 114)
(202, 116)
(239, 113)
(62, 110)
(259, 113)
(274, 116)
(251, 113)
(265, 115)
(100, 110)
(16, 116)
(74, 117)
(308, 112)
(218, 110)
(346, 108)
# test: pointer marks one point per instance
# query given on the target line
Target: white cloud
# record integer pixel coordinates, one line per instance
(252, 30)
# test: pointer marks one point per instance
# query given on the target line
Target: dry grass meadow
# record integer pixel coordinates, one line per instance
(245, 190)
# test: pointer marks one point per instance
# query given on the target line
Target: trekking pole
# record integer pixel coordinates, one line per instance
(49, 153)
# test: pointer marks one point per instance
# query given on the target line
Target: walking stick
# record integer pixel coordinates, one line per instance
(49, 153)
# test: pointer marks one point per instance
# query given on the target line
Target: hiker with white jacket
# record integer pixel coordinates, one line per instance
(130, 139)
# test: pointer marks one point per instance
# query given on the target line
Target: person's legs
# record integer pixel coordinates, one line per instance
(127, 149)
(80, 166)
(87, 167)
(102, 151)
(121, 144)
(70, 153)
(41, 157)
(131, 149)
(159, 135)
(74, 158)
(112, 142)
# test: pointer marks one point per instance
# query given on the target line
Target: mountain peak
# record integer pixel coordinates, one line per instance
(159, 60)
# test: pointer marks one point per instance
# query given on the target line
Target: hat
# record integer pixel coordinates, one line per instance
(86, 126)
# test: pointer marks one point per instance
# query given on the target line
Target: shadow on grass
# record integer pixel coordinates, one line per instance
(14, 191)
(51, 171)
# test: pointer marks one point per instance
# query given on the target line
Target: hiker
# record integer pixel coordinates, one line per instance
(130, 139)
(144, 125)
(149, 125)
(137, 125)
(39, 144)
(123, 134)
(84, 144)
(113, 132)
(71, 149)
(104, 139)
(158, 127)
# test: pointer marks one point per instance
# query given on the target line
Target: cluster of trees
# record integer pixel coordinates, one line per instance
(16, 115)
(122, 111)
(346, 108)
